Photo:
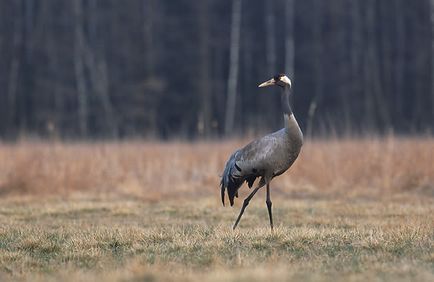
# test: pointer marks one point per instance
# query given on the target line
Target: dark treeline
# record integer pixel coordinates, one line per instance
(160, 68)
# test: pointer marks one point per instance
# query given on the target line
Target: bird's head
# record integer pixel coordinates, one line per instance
(279, 79)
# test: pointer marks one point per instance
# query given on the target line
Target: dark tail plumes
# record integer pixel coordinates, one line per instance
(232, 178)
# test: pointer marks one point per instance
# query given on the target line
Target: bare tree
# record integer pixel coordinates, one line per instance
(151, 83)
(148, 26)
(96, 63)
(15, 66)
(355, 53)
(108, 68)
(374, 104)
(26, 107)
(386, 66)
(204, 82)
(318, 67)
(356, 40)
(289, 38)
(432, 61)
(79, 50)
(233, 66)
(270, 42)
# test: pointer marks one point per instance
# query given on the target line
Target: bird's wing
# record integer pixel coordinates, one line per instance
(231, 178)
(246, 164)
(252, 158)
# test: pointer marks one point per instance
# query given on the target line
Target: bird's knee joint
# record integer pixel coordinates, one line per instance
(246, 203)
(269, 203)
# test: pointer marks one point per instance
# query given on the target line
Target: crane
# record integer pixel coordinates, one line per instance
(264, 158)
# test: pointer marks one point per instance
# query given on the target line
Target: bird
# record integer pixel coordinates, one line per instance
(264, 158)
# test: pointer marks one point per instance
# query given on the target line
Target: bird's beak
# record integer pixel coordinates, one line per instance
(267, 83)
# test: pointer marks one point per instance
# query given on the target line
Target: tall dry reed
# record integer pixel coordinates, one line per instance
(368, 166)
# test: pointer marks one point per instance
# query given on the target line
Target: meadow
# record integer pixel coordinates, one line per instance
(348, 210)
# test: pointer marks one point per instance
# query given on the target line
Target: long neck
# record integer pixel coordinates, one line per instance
(286, 107)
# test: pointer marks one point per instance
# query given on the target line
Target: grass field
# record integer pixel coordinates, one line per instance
(347, 211)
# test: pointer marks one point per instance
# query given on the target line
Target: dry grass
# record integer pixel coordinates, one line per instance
(172, 170)
(349, 210)
(129, 239)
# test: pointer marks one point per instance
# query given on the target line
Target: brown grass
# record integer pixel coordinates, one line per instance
(348, 210)
(369, 167)
(124, 240)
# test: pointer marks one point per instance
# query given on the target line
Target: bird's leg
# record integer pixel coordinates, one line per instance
(269, 203)
(245, 203)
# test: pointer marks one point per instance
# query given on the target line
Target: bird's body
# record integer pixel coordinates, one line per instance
(266, 157)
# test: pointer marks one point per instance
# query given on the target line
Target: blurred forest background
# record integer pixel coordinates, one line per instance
(190, 69)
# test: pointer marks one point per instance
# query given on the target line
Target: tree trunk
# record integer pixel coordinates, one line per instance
(150, 90)
(26, 109)
(271, 69)
(79, 49)
(386, 69)
(318, 68)
(376, 109)
(432, 64)
(355, 61)
(14, 69)
(233, 67)
(148, 24)
(289, 38)
(96, 63)
(270, 42)
(204, 81)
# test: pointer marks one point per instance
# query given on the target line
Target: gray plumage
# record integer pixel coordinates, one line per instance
(266, 157)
